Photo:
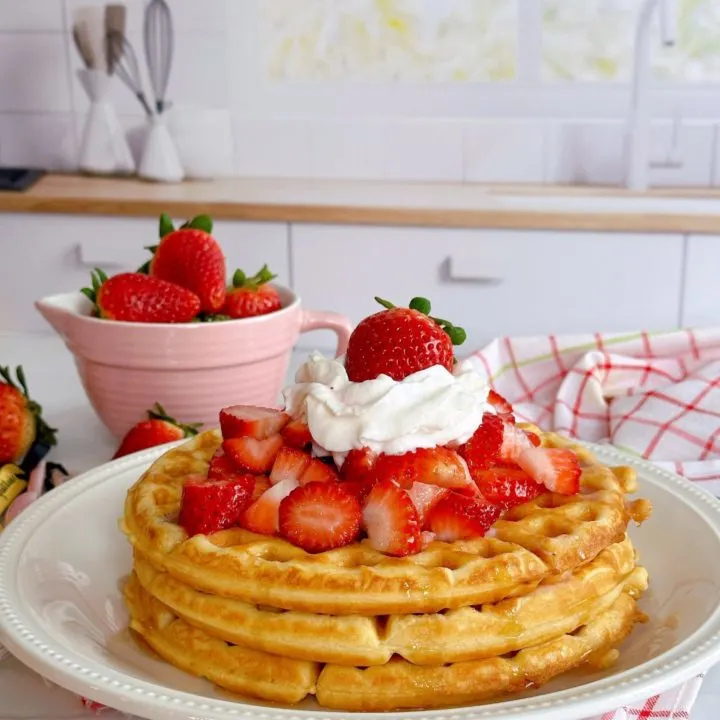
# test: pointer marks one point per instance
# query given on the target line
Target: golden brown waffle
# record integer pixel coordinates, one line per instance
(397, 684)
(540, 539)
(559, 605)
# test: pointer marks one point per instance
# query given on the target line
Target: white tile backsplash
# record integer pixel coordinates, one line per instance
(503, 151)
(30, 15)
(272, 148)
(45, 141)
(33, 73)
(387, 150)
(217, 71)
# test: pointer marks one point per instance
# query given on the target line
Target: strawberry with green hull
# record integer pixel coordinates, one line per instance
(158, 429)
(23, 432)
(401, 341)
(134, 297)
(252, 296)
(192, 258)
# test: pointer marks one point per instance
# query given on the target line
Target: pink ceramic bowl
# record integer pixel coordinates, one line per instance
(192, 369)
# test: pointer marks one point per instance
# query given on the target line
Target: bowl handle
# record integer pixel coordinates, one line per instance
(339, 324)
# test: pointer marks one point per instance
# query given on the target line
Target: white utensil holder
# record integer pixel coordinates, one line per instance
(160, 161)
(104, 149)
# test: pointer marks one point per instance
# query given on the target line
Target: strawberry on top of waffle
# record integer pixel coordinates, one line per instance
(400, 444)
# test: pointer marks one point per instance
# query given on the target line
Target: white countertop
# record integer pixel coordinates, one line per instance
(84, 443)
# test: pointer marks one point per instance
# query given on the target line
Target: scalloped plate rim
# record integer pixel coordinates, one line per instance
(25, 639)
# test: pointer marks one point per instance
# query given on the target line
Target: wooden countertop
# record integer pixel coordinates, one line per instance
(381, 203)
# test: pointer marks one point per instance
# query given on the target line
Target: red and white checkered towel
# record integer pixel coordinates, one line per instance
(654, 395)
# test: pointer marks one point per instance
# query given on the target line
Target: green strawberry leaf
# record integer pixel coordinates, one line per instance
(199, 222)
(241, 280)
(166, 225)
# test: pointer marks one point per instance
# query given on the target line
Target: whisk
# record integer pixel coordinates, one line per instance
(126, 66)
(159, 49)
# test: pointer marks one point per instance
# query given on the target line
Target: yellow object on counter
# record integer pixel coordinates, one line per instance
(11, 485)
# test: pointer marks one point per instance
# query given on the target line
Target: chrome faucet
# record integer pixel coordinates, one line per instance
(637, 137)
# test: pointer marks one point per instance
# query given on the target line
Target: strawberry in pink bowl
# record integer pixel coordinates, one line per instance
(160, 334)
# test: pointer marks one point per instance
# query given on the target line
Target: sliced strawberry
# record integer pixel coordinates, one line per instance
(222, 468)
(426, 538)
(296, 434)
(436, 466)
(459, 517)
(359, 488)
(262, 483)
(320, 516)
(211, 505)
(557, 469)
(482, 450)
(289, 465)
(508, 486)
(514, 442)
(358, 464)
(251, 455)
(501, 406)
(262, 516)
(425, 496)
(391, 520)
(533, 438)
(319, 471)
(250, 421)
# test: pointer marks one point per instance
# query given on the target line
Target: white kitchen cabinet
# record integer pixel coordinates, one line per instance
(701, 300)
(491, 282)
(46, 254)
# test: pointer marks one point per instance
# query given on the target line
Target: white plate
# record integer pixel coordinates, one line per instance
(61, 611)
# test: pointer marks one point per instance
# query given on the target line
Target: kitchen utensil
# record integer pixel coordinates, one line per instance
(115, 17)
(83, 43)
(159, 48)
(90, 22)
(126, 66)
(62, 612)
(192, 369)
(160, 161)
(104, 149)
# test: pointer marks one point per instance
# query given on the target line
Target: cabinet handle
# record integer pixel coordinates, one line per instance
(472, 270)
(99, 257)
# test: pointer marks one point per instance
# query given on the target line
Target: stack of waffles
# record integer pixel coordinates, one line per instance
(553, 585)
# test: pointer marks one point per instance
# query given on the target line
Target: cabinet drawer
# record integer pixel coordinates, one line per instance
(46, 254)
(701, 302)
(493, 283)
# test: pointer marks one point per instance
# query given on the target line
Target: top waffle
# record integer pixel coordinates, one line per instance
(544, 537)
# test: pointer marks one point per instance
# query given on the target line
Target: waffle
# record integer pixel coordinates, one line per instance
(546, 537)
(559, 605)
(397, 684)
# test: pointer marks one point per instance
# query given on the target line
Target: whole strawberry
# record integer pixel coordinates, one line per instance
(192, 258)
(134, 297)
(21, 423)
(401, 341)
(158, 429)
(251, 296)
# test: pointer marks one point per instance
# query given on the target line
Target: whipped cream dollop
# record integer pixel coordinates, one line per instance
(431, 407)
